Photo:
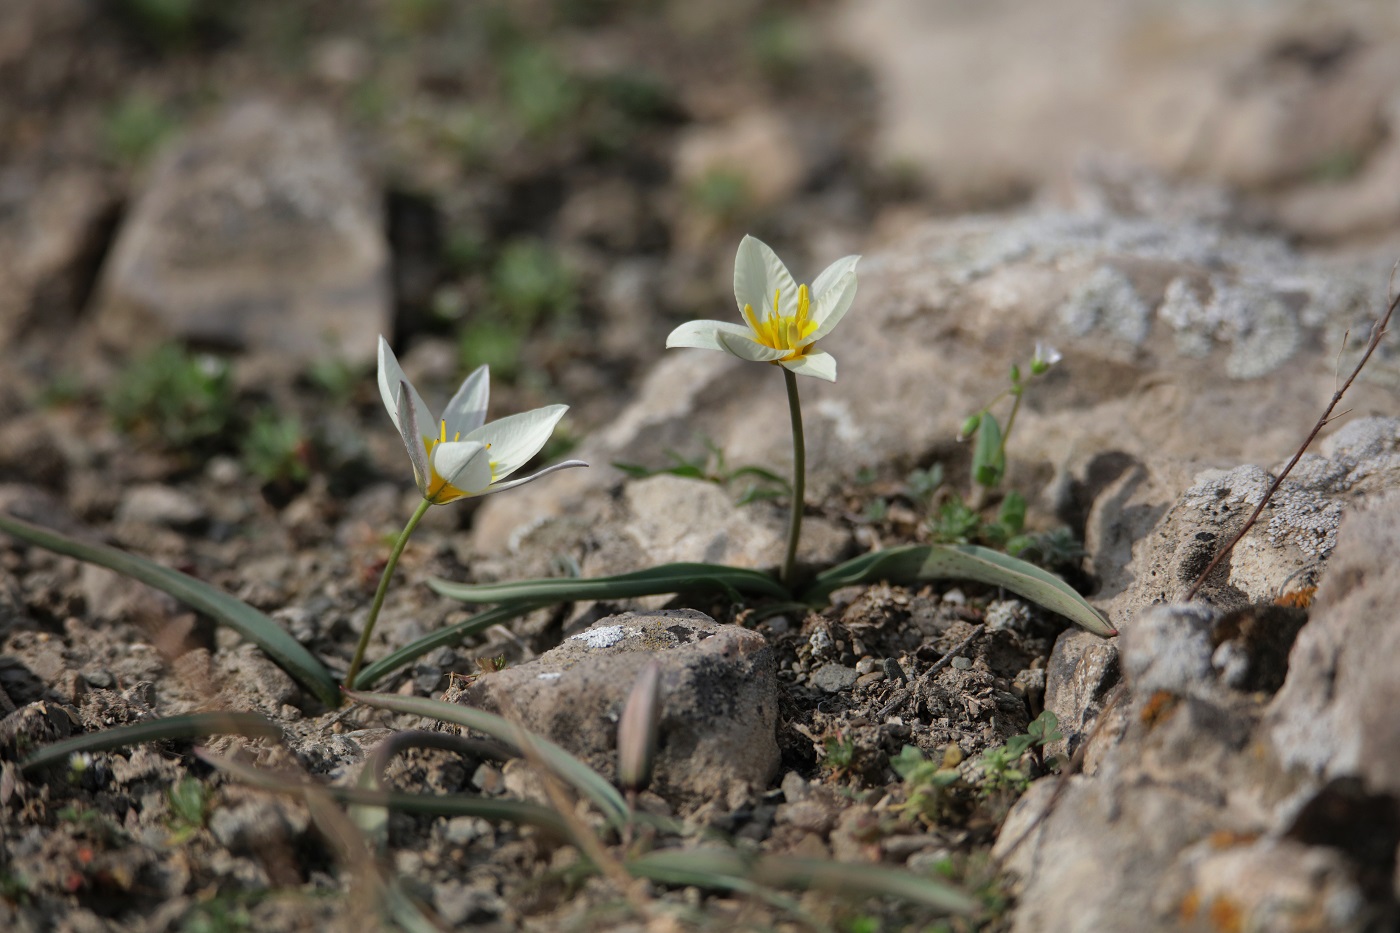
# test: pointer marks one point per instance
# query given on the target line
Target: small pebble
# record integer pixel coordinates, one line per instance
(893, 671)
(833, 678)
(870, 679)
(866, 665)
(961, 664)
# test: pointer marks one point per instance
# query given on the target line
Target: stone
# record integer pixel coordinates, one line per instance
(256, 232)
(1204, 803)
(1168, 648)
(1286, 549)
(719, 686)
(1292, 103)
(833, 678)
(52, 234)
(156, 504)
(1333, 716)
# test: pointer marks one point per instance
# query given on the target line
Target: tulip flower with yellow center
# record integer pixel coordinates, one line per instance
(782, 323)
(455, 456)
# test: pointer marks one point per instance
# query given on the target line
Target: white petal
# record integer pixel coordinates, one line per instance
(463, 464)
(511, 484)
(516, 438)
(467, 410)
(831, 306)
(705, 334)
(746, 348)
(407, 423)
(833, 274)
(819, 364)
(758, 273)
(390, 375)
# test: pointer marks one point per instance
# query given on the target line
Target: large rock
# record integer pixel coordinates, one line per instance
(719, 701)
(1210, 802)
(1295, 101)
(256, 232)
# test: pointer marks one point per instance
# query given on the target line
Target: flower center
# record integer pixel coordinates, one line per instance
(784, 331)
(439, 489)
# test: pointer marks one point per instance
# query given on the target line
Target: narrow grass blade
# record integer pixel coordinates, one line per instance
(264, 631)
(916, 563)
(192, 726)
(654, 581)
(721, 868)
(493, 809)
(371, 674)
(588, 782)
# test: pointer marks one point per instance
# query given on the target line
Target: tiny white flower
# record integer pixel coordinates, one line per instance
(460, 454)
(783, 320)
(1045, 357)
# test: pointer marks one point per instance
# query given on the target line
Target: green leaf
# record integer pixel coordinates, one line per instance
(917, 563)
(588, 782)
(1012, 514)
(371, 674)
(731, 869)
(260, 629)
(192, 726)
(988, 458)
(655, 581)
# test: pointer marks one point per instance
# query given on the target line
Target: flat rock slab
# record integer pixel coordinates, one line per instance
(719, 701)
(258, 232)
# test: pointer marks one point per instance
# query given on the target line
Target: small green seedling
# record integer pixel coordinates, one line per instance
(189, 807)
(1002, 768)
(927, 782)
(989, 452)
(181, 400)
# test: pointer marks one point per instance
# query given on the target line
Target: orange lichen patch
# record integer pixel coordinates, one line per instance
(1158, 707)
(1297, 599)
(1190, 905)
(1228, 839)
(1226, 916)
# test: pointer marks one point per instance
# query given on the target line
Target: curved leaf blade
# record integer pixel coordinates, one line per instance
(654, 581)
(730, 869)
(587, 781)
(285, 651)
(371, 674)
(192, 726)
(917, 563)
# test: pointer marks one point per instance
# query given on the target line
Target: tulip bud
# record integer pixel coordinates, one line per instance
(638, 730)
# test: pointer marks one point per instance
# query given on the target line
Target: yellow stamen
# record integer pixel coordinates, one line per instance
(780, 331)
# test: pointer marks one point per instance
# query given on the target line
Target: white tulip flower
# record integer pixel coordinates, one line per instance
(460, 455)
(783, 320)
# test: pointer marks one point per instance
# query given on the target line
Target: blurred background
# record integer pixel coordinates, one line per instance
(208, 211)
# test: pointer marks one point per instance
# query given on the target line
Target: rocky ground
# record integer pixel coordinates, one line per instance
(207, 218)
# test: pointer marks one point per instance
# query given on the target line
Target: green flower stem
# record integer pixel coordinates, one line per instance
(1010, 423)
(799, 477)
(383, 588)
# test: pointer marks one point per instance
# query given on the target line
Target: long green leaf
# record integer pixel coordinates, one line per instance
(722, 867)
(191, 726)
(588, 782)
(654, 581)
(371, 674)
(918, 562)
(264, 631)
(488, 808)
